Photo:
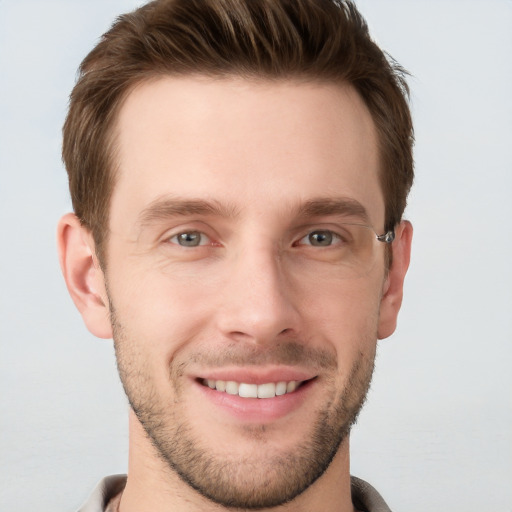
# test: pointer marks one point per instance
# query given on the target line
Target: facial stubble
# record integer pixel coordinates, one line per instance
(235, 480)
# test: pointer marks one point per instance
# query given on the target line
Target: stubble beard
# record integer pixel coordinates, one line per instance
(231, 480)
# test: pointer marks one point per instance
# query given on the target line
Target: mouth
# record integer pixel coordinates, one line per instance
(253, 395)
(246, 390)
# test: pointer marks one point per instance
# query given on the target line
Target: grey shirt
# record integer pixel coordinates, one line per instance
(364, 496)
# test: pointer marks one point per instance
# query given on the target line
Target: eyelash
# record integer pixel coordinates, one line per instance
(335, 238)
(175, 238)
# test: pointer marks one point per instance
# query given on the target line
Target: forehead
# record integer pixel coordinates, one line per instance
(244, 143)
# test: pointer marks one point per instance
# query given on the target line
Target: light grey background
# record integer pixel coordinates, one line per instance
(436, 433)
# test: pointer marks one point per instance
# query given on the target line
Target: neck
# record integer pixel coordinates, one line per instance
(153, 485)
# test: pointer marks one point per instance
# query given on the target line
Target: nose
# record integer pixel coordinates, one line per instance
(258, 301)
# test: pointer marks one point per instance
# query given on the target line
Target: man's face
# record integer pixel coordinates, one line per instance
(222, 269)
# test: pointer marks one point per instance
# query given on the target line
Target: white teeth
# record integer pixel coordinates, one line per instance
(221, 385)
(291, 386)
(231, 388)
(248, 390)
(281, 388)
(267, 390)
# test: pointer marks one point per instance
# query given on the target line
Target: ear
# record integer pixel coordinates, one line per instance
(394, 283)
(83, 275)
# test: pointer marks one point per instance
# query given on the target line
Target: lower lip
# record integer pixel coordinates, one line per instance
(257, 410)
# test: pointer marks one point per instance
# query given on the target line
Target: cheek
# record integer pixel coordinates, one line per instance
(346, 313)
(159, 309)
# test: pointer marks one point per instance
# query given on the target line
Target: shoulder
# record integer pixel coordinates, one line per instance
(366, 498)
(108, 488)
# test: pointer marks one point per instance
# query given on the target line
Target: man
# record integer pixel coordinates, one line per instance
(238, 171)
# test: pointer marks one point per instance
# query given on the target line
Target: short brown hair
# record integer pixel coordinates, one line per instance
(322, 40)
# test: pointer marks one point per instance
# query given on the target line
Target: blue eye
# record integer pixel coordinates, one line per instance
(320, 238)
(190, 239)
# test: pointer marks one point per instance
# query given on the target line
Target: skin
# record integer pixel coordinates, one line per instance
(254, 299)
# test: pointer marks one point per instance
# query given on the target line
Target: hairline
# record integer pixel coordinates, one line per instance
(112, 132)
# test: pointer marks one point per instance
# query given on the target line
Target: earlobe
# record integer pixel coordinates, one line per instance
(84, 278)
(392, 292)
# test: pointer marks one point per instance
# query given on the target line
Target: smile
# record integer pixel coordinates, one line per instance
(244, 390)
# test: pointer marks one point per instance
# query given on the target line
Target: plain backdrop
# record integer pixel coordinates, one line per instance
(436, 433)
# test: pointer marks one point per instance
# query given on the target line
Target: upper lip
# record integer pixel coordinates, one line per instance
(251, 375)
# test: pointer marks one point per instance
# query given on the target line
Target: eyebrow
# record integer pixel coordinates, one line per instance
(162, 209)
(165, 208)
(342, 206)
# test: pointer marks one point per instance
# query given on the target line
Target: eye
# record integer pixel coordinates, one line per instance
(320, 238)
(190, 239)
